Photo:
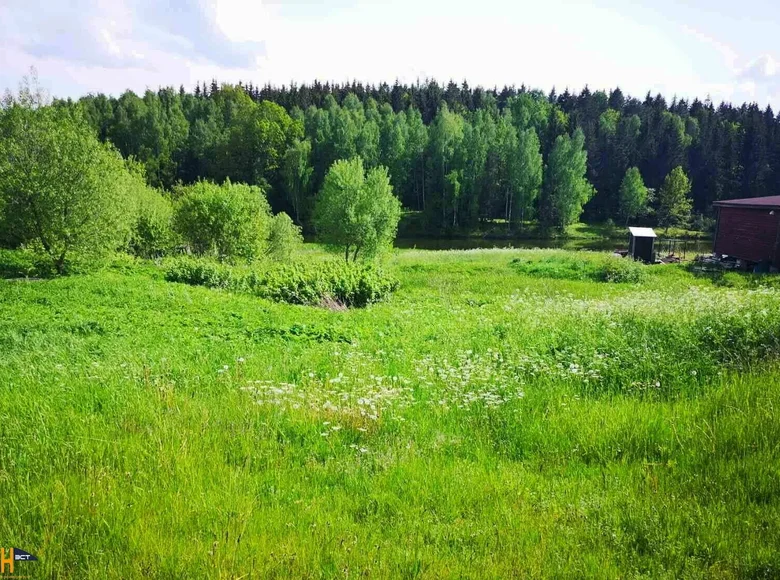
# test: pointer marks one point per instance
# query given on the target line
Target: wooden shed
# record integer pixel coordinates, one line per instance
(641, 244)
(749, 229)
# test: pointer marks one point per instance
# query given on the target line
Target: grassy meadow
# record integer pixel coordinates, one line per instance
(506, 413)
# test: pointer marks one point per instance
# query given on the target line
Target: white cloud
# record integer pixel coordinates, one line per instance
(762, 69)
(111, 45)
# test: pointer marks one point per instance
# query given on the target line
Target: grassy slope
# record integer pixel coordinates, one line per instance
(128, 447)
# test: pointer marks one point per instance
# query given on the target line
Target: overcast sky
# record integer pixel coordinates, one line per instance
(728, 50)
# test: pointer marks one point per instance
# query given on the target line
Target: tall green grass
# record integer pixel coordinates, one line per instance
(482, 422)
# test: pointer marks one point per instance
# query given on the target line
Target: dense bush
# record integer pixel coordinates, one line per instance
(199, 272)
(348, 284)
(284, 239)
(622, 270)
(152, 233)
(225, 221)
(24, 264)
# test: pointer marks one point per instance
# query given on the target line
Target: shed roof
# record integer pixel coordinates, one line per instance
(642, 232)
(769, 202)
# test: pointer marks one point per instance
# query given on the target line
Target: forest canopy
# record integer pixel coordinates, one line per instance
(459, 155)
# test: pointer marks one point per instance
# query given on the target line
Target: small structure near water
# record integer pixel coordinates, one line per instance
(641, 244)
(749, 230)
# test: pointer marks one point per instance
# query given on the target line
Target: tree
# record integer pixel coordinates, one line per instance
(446, 137)
(227, 221)
(259, 136)
(297, 171)
(526, 173)
(357, 211)
(151, 233)
(284, 238)
(674, 205)
(633, 195)
(64, 192)
(565, 188)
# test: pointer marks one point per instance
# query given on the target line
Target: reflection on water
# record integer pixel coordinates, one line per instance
(662, 246)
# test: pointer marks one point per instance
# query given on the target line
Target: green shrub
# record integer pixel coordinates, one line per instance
(152, 233)
(201, 273)
(622, 270)
(348, 284)
(231, 220)
(24, 264)
(284, 239)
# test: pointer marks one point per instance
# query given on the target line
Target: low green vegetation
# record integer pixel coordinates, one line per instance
(503, 413)
(324, 283)
(581, 266)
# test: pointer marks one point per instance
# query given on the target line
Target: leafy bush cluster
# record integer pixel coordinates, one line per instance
(225, 221)
(203, 273)
(622, 270)
(23, 264)
(582, 266)
(348, 284)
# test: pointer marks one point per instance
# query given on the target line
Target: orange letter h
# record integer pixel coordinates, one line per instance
(4, 560)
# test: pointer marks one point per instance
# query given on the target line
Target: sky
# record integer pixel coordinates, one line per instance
(728, 51)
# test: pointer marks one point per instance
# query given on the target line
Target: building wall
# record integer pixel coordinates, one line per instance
(748, 233)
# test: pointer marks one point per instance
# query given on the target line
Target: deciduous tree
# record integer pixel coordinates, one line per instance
(357, 211)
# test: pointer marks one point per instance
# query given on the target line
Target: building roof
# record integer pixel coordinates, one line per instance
(769, 202)
(642, 232)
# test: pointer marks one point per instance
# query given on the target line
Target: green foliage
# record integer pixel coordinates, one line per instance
(635, 426)
(24, 264)
(633, 195)
(242, 133)
(526, 173)
(318, 283)
(355, 211)
(566, 190)
(623, 270)
(580, 266)
(349, 284)
(284, 238)
(674, 204)
(151, 234)
(64, 192)
(225, 221)
(297, 173)
(202, 272)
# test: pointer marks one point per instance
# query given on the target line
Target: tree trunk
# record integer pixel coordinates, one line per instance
(508, 210)
(59, 264)
(422, 168)
(346, 253)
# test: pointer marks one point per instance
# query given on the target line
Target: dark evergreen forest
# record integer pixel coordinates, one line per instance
(459, 155)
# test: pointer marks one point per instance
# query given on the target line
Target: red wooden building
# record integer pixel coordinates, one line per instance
(749, 229)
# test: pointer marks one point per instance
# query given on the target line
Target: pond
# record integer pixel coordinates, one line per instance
(594, 244)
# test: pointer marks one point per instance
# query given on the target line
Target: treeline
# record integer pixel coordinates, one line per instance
(68, 199)
(459, 155)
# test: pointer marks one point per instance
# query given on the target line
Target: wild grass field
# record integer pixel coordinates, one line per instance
(506, 413)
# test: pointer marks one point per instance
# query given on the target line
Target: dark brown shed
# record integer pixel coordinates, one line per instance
(749, 229)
